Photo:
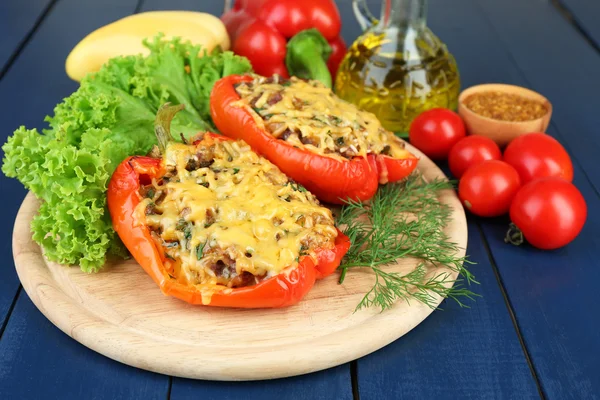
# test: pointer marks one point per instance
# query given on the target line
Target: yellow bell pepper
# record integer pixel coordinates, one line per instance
(125, 36)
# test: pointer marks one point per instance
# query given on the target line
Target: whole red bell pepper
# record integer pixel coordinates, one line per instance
(268, 33)
(278, 291)
(331, 180)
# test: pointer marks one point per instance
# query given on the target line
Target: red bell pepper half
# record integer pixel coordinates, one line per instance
(288, 37)
(331, 180)
(278, 291)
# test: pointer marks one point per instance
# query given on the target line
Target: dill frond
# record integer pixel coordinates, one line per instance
(404, 219)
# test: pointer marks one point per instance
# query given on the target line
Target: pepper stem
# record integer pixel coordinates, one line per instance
(307, 55)
(514, 235)
(162, 124)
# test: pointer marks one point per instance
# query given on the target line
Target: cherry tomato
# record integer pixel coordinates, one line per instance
(435, 131)
(471, 151)
(537, 155)
(487, 189)
(550, 212)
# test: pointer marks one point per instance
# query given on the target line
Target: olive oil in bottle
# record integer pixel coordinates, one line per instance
(398, 68)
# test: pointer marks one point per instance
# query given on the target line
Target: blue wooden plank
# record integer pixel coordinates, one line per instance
(17, 20)
(455, 353)
(9, 283)
(552, 292)
(333, 383)
(585, 14)
(37, 360)
(41, 362)
(433, 360)
(554, 59)
(526, 41)
(211, 7)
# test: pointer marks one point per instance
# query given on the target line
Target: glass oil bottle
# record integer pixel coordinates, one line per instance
(398, 68)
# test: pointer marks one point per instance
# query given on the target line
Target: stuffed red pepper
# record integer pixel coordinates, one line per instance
(334, 149)
(213, 223)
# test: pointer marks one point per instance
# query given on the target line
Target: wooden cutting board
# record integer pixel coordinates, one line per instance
(122, 314)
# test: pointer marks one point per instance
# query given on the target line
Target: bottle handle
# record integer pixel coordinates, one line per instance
(362, 14)
(227, 6)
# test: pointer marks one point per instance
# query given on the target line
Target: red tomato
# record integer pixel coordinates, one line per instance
(435, 131)
(471, 151)
(537, 155)
(550, 212)
(259, 38)
(487, 189)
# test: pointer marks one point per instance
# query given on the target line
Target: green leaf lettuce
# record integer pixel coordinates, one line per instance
(68, 166)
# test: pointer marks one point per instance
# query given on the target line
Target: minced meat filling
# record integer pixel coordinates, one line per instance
(226, 216)
(308, 115)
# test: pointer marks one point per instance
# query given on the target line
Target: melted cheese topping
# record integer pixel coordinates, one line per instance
(230, 216)
(308, 115)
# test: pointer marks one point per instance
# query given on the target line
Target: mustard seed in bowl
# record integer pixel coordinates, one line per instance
(505, 106)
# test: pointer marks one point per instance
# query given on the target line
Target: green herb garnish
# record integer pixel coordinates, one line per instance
(404, 219)
(200, 251)
(187, 232)
(335, 120)
(296, 186)
(236, 170)
(303, 250)
(181, 223)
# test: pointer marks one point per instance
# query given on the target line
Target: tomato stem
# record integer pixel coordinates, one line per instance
(514, 235)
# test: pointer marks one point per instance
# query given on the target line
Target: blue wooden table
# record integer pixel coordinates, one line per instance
(533, 333)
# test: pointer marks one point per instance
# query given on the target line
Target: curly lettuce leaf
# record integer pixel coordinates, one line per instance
(110, 117)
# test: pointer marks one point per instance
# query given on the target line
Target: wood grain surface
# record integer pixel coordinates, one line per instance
(18, 22)
(456, 353)
(120, 313)
(15, 29)
(430, 361)
(46, 363)
(584, 13)
(548, 288)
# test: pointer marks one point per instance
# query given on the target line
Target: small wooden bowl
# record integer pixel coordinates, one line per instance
(502, 132)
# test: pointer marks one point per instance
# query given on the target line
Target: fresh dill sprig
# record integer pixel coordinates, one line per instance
(404, 219)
